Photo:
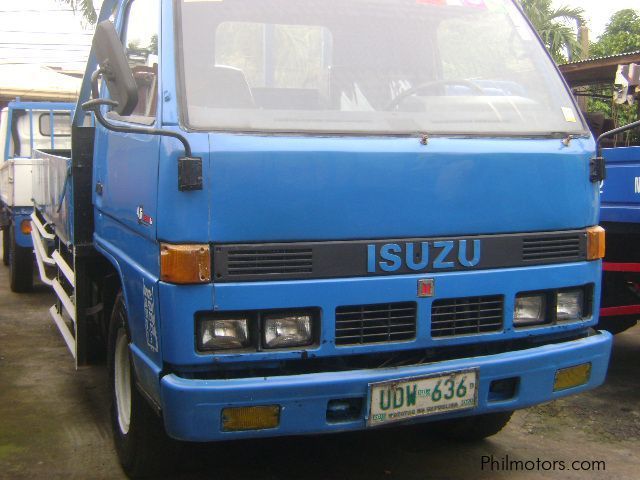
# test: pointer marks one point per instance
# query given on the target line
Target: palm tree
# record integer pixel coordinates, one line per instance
(85, 7)
(558, 37)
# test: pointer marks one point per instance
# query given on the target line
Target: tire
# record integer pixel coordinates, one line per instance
(20, 266)
(5, 246)
(473, 429)
(143, 447)
(619, 289)
(619, 324)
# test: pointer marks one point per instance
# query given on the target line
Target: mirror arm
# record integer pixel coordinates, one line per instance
(597, 165)
(615, 131)
(94, 84)
(189, 167)
(94, 106)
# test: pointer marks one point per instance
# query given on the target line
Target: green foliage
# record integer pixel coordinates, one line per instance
(621, 35)
(297, 53)
(85, 8)
(551, 24)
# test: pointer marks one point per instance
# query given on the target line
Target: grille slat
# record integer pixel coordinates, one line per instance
(387, 322)
(373, 319)
(382, 337)
(464, 308)
(545, 247)
(536, 249)
(240, 254)
(348, 329)
(466, 316)
(548, 253)
(344, 310)
(269, 262)
(267, 267)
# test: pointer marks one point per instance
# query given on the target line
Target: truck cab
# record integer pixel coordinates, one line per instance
(24, 127)
(312, 217)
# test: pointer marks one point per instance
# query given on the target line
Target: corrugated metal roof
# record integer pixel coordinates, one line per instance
(596, 70)
(606, 57)
(33, 82)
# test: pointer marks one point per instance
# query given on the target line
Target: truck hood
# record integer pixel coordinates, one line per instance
(278, 188)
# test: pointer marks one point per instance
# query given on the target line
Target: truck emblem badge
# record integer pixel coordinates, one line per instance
(423, 256)
(426, 287)
(150, 317)
(143, 218)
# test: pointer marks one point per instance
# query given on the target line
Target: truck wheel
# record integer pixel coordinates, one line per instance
(473, 429)
(143, 447)
(20, 266)
(5, 246)
(619, 324)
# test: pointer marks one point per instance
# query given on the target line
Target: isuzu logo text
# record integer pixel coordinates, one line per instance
(423, 256)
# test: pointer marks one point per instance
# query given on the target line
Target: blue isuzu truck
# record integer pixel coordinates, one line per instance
(318, 216)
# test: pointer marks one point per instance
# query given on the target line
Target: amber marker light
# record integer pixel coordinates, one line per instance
(595, 243)
(572, 377)
(25, 227)
(250, 418)
(185, 263)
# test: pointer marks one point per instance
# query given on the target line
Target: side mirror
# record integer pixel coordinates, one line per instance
(123, 89)
(115, 68)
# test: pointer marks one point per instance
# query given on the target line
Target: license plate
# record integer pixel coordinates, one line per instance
(397, 400)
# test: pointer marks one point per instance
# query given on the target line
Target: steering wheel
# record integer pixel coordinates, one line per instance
(427, 85)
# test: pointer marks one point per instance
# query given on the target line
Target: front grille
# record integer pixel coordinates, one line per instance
(466, 316)
(269, 262)
(384, 322)
(552, 247)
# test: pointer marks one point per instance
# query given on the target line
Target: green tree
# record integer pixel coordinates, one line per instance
(85, 8)
(621, 35)
(554, 27)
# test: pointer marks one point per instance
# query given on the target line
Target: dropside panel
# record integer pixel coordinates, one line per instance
(621, 189)
(51, 192)
(6, 182)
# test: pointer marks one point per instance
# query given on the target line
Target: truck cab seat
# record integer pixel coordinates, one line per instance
(221, 87)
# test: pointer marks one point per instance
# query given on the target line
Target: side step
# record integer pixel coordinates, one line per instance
(42, 237)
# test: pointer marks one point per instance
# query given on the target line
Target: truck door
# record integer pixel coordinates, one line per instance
(127, 164)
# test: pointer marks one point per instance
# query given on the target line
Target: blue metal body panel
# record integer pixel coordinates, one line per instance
(177, 329)
(621, 190)
(193, 407)
(293, 188)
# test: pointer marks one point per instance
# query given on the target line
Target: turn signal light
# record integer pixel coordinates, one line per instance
(572, 377)
(595, 243)
(250, 418)
(185, 263)
(25, 227)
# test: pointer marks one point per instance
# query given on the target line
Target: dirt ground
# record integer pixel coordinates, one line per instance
(53, 424)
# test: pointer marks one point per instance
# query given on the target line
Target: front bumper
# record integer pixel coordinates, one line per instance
(192, 408)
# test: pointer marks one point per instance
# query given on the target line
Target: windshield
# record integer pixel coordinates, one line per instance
(369, 66)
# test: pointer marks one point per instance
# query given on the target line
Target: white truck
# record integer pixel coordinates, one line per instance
(25, 127)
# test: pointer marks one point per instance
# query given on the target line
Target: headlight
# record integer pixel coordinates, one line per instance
(529, 310)
(570, 305)
(287, 330)
(223, 333)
